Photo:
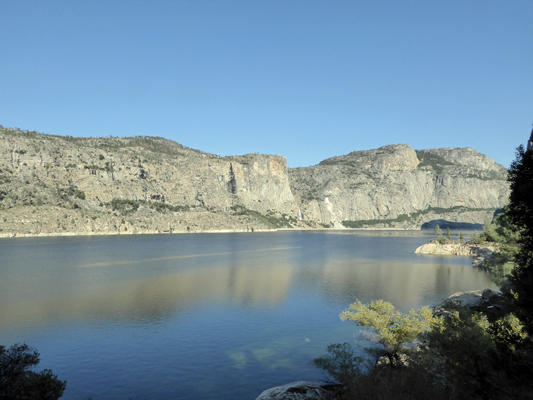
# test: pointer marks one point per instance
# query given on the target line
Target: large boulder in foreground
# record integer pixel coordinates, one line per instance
(301, 390)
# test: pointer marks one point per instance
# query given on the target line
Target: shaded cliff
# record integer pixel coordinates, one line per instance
(396, 186)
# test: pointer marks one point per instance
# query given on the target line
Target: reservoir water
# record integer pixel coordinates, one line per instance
(206, 316)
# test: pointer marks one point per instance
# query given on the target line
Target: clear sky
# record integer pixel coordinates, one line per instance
(302, 78)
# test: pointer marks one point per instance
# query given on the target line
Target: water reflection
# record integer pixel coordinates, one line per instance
(148, 315)
(407, 285)
(161, 297)
(154, 289)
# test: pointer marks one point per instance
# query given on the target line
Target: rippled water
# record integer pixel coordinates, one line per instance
(205, 316)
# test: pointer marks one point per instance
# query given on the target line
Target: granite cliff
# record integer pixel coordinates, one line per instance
(64, 185)
(57, 185)
(396, 186)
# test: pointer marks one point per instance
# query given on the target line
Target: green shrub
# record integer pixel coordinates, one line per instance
(163, 207)
(341, 364)
(270, 220)
(432, 160)
(410, 217)
(124, 206)
(393, 331)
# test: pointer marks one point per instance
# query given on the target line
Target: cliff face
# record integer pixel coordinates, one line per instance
(51, 184)
(64, 185)
(401, 185)
(260, 182)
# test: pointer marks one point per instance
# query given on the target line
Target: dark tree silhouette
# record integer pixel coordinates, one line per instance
(520, 213)
(18, 382)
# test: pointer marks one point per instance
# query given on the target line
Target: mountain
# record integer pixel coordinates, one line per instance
(398, 186)
(54, 185)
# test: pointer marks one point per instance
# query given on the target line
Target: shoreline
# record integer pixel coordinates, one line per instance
(244, 230)
(69, 234)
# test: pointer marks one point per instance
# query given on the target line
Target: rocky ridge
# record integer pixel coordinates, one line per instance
(62, 185)
(54, 185)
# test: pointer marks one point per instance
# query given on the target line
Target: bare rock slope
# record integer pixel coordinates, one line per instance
(396, 186)
(64, 185)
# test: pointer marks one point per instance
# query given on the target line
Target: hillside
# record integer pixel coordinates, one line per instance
(65, 185)
(54, 185)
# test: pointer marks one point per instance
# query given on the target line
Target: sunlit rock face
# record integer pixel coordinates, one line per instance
(394, 180)
(261, 182)
(52, 185)
(65, 185)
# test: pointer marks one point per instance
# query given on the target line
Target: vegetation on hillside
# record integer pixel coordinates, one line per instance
(154, 144)
(271, 219)
(432, 160)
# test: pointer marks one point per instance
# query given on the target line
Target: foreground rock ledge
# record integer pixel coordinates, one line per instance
(301, 390)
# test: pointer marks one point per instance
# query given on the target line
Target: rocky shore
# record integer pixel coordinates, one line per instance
(453, 248)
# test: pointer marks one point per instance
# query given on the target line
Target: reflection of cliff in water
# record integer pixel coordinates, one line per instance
(139, 280)
(405, 285)
(160, 297)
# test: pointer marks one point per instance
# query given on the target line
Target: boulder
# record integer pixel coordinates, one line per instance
(489, 302)
(301, 390)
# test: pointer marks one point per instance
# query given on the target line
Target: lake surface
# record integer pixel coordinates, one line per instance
(206, 316)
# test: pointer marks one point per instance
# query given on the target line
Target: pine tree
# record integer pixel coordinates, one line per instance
(438, 232)
(520, 213)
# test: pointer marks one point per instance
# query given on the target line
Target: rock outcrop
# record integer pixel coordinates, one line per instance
(396, 186)
(455, 249)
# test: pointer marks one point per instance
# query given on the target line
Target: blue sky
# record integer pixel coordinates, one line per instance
(305, 79)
